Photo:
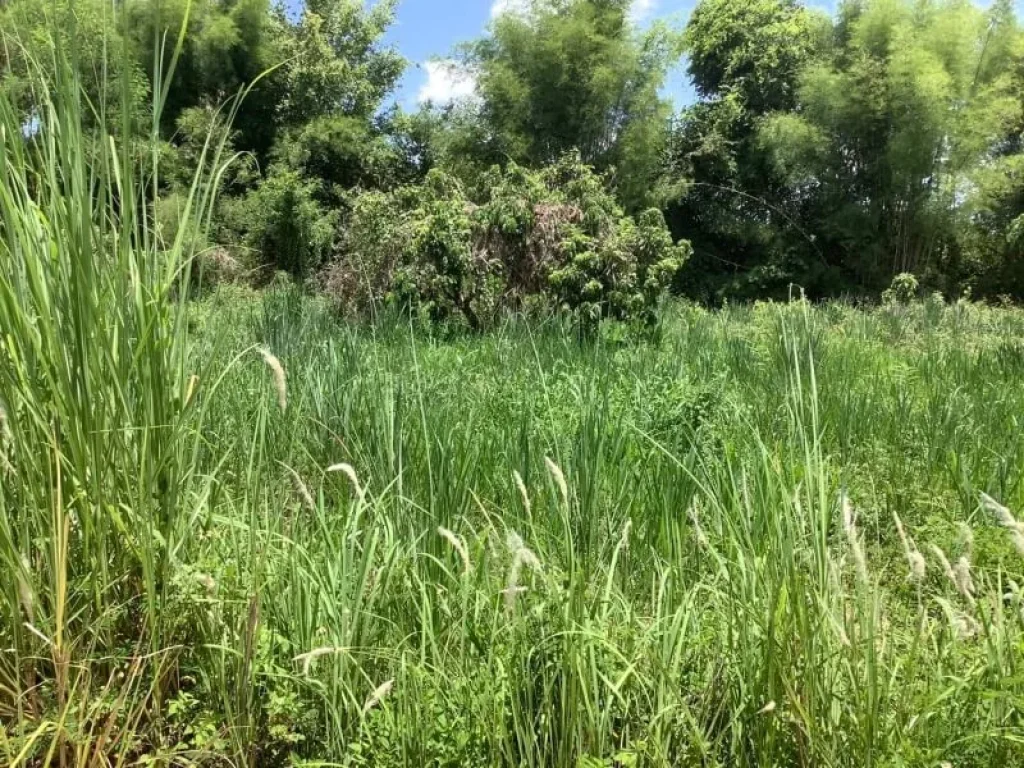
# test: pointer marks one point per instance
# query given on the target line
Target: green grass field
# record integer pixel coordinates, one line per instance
(239, 531)
(536, 552)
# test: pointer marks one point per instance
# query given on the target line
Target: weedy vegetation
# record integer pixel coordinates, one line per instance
(240, 530)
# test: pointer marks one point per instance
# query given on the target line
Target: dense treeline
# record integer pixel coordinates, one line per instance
(829, 152)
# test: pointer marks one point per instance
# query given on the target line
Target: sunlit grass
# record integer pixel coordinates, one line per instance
(240, 531)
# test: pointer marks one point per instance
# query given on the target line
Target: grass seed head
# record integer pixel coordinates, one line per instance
(966, 626)
(309, 657)
(25, 596)
(917, 566)
(962, 577)
(510, 594)
(1005, 518)
(301, 489)
(277, 371)
(853, 538)
(514, 542)
(1002, 514)
(698, 530)
(349, 471)
(190, 389)
(522, 490)
(459, 545)
(559, 477)
(915, 560)
(965, 538)
(378, 694)
(767, 709)
(947, 569)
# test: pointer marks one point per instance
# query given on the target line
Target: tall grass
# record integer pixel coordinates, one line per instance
(242, 532)
(101, 426)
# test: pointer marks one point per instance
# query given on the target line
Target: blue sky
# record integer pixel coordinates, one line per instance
(426, 31)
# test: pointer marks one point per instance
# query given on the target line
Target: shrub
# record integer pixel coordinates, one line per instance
(556, 235)
(283, 221)
(902, 290)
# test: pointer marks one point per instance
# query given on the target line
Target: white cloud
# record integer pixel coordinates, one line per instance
(508, 6)
(446, 82)
(641, 10)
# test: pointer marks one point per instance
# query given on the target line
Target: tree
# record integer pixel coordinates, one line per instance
(335, 64)
(744, 60)
(574, 75)
(228, 46)
(889, 127)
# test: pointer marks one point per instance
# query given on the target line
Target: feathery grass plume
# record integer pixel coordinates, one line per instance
(698, 530)
(943, 561)
(25, 596)
(349, 471)
(522, 491)
(965, 538)
(459, 545)
(190, 389)
(624, 539)
(510, 594)
(1002, 514)
(309, 657)
(915, 560)
(559, 476)
(277, 371)
(966, 626)
(1006, 519)
(378, 694)
(962, 572)
(207, 582)
(301, 489)
(514, 542)
(521, 556)
(853, 538)
(6, 439)
(963, 585)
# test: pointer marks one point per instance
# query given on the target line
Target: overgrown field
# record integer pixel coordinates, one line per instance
(514, 549)
(239, 530)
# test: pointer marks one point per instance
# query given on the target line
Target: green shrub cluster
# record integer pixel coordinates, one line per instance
(554, 238)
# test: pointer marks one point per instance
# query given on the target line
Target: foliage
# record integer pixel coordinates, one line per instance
(282, 223)
(556, 234)
(909, 99)
(115, 86)
(902, 290)
(744, 61)
(228, 45)
(573, 75)
(334, 63)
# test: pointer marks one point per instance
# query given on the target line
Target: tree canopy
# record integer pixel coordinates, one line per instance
(832, 152)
